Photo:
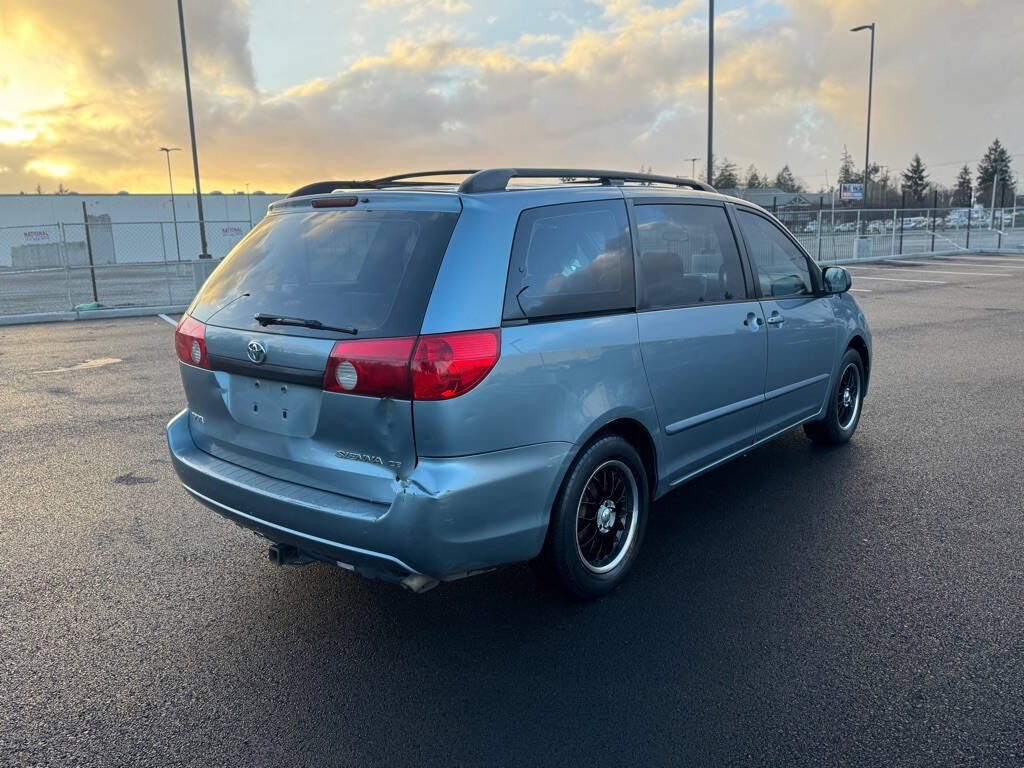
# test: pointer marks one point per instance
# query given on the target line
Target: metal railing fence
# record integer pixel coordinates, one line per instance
(57, 267)
(843, 234)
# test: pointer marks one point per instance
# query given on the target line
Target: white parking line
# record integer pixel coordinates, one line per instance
(989, 264)
(940, 272)
(952, 264)
(97, 363)
(861, 290)
(901, 280)
(169, 320)
(1011, 259)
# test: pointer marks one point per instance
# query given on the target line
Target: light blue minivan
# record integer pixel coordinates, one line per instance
(420, 380)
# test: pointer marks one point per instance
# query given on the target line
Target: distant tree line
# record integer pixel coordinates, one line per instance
(911, 186)
(727, 176)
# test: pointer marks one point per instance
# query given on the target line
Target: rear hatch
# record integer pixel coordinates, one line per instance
(365, 264)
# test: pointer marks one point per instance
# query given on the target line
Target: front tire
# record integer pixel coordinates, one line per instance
(598, 520)
(844, 404)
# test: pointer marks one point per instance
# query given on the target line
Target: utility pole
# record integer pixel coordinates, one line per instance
(170, 183)
(192, 132)
(871, 78)
(693, 166)
(711, 86)
(992, 206)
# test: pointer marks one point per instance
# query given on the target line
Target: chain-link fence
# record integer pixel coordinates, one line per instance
(58, 267)
(55, 268)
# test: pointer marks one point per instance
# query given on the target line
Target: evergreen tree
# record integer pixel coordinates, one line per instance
(915, 179)
(786, 181)
(996, 161)
(754, 180)
(847, 173)
(727, 176)
(962, 191)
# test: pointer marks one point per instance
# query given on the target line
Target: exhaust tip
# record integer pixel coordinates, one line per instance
(419, 583)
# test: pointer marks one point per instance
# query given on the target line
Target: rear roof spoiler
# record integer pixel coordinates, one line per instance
(497, 179)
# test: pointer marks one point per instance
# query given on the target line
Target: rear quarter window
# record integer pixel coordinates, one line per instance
(372, 270)
(569, 259)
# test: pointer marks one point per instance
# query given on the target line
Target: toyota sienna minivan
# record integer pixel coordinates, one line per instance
(419, 380)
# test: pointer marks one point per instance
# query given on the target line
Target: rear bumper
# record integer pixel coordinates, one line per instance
(451, 516)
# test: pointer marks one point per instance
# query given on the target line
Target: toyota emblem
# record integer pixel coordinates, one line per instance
(257, 352)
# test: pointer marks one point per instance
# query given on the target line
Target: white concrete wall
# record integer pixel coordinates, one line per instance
(32, 210)
(141, 224)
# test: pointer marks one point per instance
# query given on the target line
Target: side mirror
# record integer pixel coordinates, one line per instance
(837, 280)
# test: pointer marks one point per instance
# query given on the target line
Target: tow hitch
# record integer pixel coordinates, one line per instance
(286, 554)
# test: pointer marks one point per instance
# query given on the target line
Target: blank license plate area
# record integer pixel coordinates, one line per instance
(274, 406)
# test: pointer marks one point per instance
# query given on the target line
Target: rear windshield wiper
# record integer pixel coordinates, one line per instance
(264, 319)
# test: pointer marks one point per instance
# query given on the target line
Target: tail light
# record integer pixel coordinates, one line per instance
(190, 342)
(375, 367)
(435, 367)
(447, 365)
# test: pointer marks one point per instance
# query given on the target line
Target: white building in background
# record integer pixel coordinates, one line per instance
(48, 230)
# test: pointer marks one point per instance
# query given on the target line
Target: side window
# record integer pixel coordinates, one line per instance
(688, 255)
(570, 259)
(782, 270)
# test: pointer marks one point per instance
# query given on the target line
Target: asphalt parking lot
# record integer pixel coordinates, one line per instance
(861, 605)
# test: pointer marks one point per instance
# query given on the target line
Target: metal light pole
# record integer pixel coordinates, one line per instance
(884, 171)
(711, 83)
(192, 133)
(992, 206)
(174, 214)
(693, 166)
(870, 81)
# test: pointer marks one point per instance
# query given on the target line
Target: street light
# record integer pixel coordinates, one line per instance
(693, 166)
(870, 79)
(174, 214)
(883, 171)
(192, 133)
(711, 82)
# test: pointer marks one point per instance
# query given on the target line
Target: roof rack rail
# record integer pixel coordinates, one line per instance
(398, 180)
(402, 176)
(497, 179)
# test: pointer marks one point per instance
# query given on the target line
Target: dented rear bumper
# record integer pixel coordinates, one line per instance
(451, 517)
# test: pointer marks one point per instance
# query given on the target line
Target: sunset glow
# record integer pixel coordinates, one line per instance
(290, 91)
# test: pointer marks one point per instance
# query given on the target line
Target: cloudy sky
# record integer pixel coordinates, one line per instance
(288, 91)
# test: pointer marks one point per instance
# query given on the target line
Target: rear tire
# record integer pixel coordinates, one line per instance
(845, 401)
(598, 520)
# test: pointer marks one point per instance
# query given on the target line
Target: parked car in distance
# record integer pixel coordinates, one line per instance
(420, 380)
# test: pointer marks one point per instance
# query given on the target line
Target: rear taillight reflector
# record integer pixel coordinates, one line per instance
(373, 367)
(447, 365)
(190, 342)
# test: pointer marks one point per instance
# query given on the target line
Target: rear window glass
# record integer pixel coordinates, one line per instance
(570, 259)
(371, 270)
